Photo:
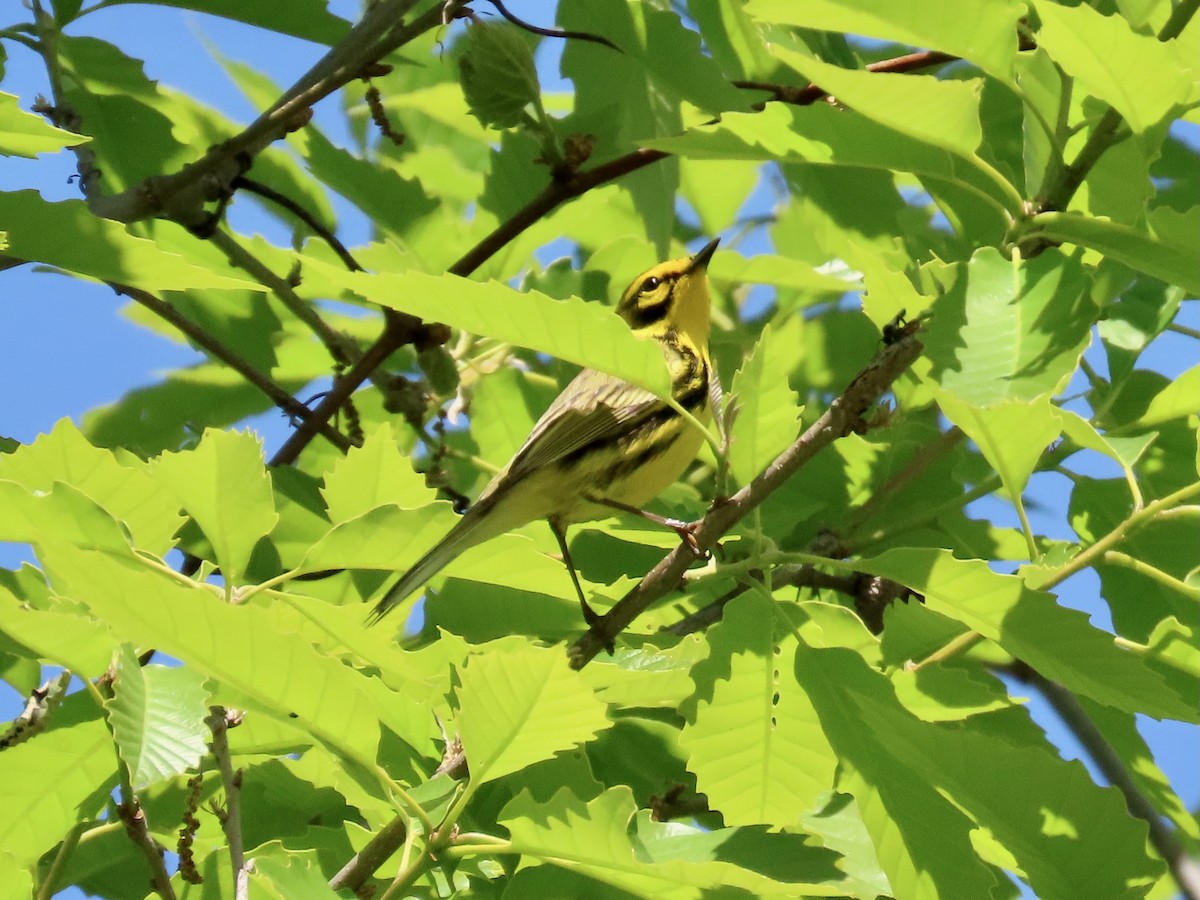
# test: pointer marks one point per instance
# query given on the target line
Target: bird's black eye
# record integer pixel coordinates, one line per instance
(649, 285)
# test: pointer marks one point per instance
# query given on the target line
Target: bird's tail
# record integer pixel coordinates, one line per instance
(463, 535)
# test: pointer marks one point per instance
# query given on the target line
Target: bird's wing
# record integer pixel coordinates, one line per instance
(593, 408)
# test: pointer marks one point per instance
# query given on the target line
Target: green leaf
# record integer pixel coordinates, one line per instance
(587, 334)
(768, 410)
(729, 267)
(1012, 435)
(124, 490)
(1173, 263)
(224, 487)
(27, 135)
(63, 514)
(520, 704)
(1138, 75)
(1060, 643)
(497, 74)
(372, 475)
(68, 236)
(944, 114)
(752, 738)
(49, 784)
(1175, 401)
(982, 31)
(239, 648)
(71, 639)
(387, 537)
(1070, 837)
(1006, 331)
(822, 136)
(307, 19)
(591, 839)
(157, 717)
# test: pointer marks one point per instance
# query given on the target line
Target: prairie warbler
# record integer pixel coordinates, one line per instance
(603, 444)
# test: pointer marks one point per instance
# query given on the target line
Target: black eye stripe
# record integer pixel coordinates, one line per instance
(651, 313)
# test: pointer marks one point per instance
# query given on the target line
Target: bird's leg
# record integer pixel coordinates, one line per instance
(685, 530)
(560, 533)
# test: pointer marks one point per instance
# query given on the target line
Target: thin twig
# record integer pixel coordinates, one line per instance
(65, 849)
(342, 349)
(845, 415)
(553, 32)
(326, 234)
(134, 819)
(235, 361)
(1184, 870)
(231, 819)
(809, 94)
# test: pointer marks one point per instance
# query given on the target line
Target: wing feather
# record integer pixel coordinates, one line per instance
(593, 408)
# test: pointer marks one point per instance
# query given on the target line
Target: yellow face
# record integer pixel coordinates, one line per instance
(672, 296)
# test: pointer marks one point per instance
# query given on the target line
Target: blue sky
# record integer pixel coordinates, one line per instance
(65, 348)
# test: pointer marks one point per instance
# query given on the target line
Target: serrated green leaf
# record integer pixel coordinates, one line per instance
(70, 639)
(68, 236)
(157, 716)
(49, 784)
(646, 676)
(942, 694)
(125, 491)
(821, 136)
(235, 646)
(752, 739)
(1138, 75)
(587, 334)
(1060, 643)
(497, 74)
(1170, 262)
(590, 839)
(768, 410)
(942, 113)
(1175, 401)
(387, 538)
(1097, 849)
(61, 514)
(27, 135)
(1006, 331)
(373, 475)
(1012, 435)
(764, 268)
(223, 485)
(519, 705)
(982, 31)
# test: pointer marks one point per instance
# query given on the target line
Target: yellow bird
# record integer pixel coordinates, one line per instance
(604, 443)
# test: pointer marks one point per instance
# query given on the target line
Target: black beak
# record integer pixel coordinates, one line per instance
(700, 260)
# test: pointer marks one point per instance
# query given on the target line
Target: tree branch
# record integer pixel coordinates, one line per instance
(235, 361)
(219, 721)
(1184, 870)
(845, 415)
(182, 196)
(363, 864)
(809, 94)
(1107, 133)
(134, 819)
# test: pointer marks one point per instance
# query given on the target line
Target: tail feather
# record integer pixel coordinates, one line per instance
(461, 537)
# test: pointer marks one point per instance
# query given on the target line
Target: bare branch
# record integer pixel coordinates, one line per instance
(362, 866)
(219, 721)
